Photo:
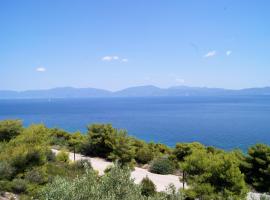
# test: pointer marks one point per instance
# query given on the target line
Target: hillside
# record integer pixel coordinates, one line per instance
(139, 91)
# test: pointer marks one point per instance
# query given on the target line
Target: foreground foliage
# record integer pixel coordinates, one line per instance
(10, 129)
(115, 185)
(27, 165)
(214, 175)
(257, 167)
(148, 188)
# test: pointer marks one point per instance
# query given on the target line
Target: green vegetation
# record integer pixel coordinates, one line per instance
(162, 165)
(182, 150)
(212, 175)
(10, 129)
(62, 156)
(26, 160)
(144, 155)
(257, 167)
(148, 188)
(114, 185)
(29, 168)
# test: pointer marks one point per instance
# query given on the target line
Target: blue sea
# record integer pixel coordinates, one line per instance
(225, 122)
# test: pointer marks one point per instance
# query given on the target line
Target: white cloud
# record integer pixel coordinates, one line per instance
(40, 69)
(210, 54)
(124, 60)
(180, 80)
(114, 58)
(107, 58)
(228, 53)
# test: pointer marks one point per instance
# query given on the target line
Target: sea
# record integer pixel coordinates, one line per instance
(226, 122)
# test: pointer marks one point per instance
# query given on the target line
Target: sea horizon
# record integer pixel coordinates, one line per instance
(226, 122)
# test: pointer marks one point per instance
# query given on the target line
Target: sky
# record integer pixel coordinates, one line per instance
(114, 44)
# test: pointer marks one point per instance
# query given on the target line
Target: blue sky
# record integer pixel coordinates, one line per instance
(113, 44)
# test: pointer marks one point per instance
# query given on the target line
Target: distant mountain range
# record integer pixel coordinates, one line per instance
(140, 91)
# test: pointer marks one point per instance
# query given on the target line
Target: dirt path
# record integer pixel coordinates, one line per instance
(161, 181)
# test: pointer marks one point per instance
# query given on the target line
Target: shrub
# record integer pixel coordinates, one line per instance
(37, 176)
(115, 185)
(58, 169)
(59, 137)
(122, 150)
(6, 170)
(10, 129)
(35, 157)
(108, 169)
(62, 156)
(162, 166)
(264, 197)
(5, 186)
(158, 149)
(50, 156)
(27, 150)
(23, 157)
(19, 185)
(144, 155)
(81, 164)
(148, 188)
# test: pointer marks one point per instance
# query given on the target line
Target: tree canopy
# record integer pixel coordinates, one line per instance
(214, 175)
(257, 167)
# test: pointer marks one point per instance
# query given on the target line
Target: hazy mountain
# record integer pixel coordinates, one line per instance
(140, 91)
(66, 92)
(147, 90)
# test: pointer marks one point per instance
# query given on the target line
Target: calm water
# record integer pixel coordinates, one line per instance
(225, 122)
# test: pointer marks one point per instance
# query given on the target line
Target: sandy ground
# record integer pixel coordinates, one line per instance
(161, 181)
(256, 196)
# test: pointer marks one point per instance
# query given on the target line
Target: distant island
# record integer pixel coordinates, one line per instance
(139, 91)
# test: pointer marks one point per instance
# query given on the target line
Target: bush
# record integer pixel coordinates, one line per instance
(37, 176)
(23, 157)
(264, 197)
(81, 164)
(19, 185)
(144, 155)
(6, 170)
(115, 185)
(5, 186)
(50, 156)
(108, 169)
(148, 188)
(158, 149)
(162, 166)
(122, 150)
(27, 150)
(10, 129)
(62, 156)
(59, 137)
